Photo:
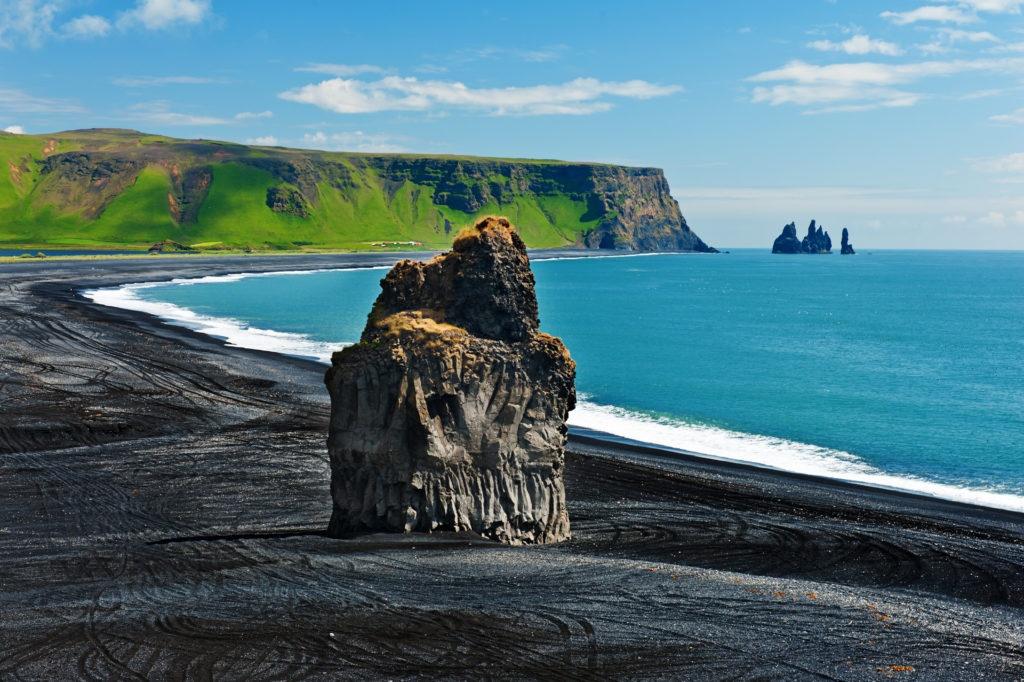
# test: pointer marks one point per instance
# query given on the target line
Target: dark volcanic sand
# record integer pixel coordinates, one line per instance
(162, 499)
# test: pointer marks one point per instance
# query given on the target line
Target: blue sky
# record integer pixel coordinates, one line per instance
(902, 120)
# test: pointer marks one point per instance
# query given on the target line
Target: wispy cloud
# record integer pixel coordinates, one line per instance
(30, 21)
(14, 100)
(85, 27)
(162, 14)
(994, 6)
(249, 115)
(354, 141)
(1013, 118)
(393, 93)
(954, 11)
(958, 35)
(1008, 164)
(159, 112)
(263, 141)
(861, 86)
(936, 13)
(858, 45)
(341, 70)
(152, 81)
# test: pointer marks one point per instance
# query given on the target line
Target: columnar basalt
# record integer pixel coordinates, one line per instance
(449, 414)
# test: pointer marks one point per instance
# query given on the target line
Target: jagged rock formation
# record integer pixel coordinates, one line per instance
(787, 242)
(341, 199)
(847, 247)
(449, 414)
(816, 240)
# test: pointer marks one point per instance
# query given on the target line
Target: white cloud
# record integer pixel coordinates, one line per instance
(956, 219)
(858, 44)
(14, 130)
(263, 141)
(28, 20)
(249, 115)
(353, 141)
(1011, 47)
(1014, 117)
(22, 102)
(994, 6)
(1010, 163)
(939, 13)
(341, 70)
(993, 218)
(859, 86)
(161, 14)
(149, 81)
(86, 26)
(957, 35)
(159, 112)
(394, 93)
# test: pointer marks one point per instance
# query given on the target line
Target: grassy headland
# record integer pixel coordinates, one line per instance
(109, 188)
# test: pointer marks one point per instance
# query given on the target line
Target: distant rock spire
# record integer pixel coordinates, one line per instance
(847, 247)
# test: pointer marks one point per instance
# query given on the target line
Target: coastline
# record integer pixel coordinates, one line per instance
(155, 480)
(807, 460)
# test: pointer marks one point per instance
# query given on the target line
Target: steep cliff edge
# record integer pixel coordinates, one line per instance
(450, 412)
(123, 187)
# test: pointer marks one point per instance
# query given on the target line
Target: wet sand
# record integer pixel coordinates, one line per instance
(163, 497)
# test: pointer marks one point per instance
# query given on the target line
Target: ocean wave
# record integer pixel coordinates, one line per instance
(697, 439)
(233, 332)
(771, 452)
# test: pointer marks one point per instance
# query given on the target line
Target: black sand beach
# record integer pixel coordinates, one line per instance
(163, 500)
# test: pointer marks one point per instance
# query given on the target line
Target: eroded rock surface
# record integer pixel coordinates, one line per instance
(449, 414)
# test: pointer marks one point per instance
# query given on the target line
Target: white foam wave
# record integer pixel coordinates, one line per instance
(770, 452)
(233, 332)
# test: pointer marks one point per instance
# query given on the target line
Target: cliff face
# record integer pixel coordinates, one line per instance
(201, 191)
(449, 414)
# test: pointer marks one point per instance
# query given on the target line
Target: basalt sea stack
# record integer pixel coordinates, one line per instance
(847, 247)
(816, 241)
(449, 414)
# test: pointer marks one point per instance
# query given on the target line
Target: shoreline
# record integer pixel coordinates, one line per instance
(208, 327)
(164, 498)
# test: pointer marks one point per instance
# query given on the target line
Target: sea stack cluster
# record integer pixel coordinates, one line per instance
(450, 412)
(817, 240)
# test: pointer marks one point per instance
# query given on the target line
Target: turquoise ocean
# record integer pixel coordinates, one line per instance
(900, 369)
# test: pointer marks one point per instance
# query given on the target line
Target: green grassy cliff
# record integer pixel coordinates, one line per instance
(122, 188)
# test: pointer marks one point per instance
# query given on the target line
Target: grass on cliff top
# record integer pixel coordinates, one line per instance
(234, 215)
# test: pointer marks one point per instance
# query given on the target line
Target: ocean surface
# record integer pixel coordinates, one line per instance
(894, 368)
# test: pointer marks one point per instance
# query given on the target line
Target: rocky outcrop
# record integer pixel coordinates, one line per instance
(449, 414)
(86, 181)
(787, 242)
(287, 200)
(847, 247)
(816, 240)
